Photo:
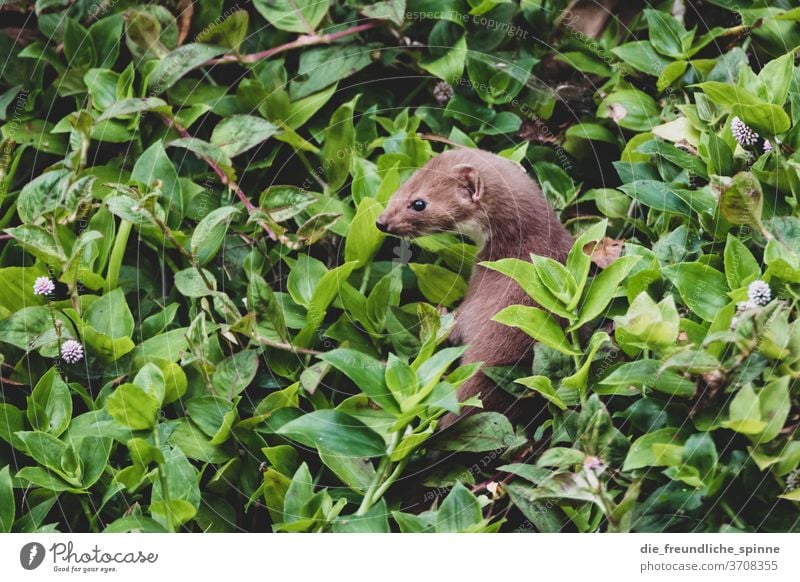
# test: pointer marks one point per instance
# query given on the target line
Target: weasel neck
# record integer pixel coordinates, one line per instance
(521, 235)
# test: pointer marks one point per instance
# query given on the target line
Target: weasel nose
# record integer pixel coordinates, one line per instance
(381, 226)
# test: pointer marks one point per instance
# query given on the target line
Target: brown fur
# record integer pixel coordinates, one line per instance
(490, 198)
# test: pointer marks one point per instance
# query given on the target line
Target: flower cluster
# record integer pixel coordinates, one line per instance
(742, 133)
(43, 286)
(72, 351)
(759, 292)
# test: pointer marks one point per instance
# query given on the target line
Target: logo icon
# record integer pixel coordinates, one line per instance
(31, 555)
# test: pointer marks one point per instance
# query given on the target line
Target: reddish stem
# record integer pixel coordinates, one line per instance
(223, 177)
(299, 42)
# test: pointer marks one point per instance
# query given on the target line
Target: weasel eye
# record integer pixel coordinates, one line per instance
(418, 205)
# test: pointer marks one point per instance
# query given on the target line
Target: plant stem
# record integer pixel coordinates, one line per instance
(223, 177)
(365, 278)
(576, 345)
(117, 252)
(372, 494)
(300, 42)
(162, 479)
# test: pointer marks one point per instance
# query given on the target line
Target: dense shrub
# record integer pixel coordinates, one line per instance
(202, 329)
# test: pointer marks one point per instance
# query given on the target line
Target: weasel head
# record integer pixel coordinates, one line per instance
(439, 197)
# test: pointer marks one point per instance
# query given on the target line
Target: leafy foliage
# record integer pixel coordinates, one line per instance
(231, 343)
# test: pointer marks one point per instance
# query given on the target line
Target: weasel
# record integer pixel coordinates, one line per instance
(493, 201)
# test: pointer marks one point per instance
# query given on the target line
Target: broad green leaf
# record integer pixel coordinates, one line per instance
(641, 453)
(741, 268)
(702, 288)
(538, 324)
(7, 502)
(238, 133)
(449, 66)
(366, 372)
(210, 232)
(603, 288)
(336, 433)
(133, 407)
(484, 431)
(293, 15)
(439, 285)
(339, 145)
(111, 315)
(363, 237)
(460, 510)
(179, 62)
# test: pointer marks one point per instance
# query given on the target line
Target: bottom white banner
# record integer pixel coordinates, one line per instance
(365, 557)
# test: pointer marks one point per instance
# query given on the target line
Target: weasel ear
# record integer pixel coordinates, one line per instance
(469, 178)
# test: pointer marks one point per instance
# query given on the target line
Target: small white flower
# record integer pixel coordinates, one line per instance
(72, 351)
(742, 133)
(43, 286)
(767, 147)
(759, 292)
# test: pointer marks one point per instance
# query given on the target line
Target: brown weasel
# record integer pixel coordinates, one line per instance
(493, 201)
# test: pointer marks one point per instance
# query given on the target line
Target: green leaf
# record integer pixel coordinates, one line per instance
(630, 109)
(449, 66)
(235, 373)
(401, 378)
(7, 502)
(238, 133)
(209, 234)
(766, 118)
(641, 56)
(366, 372)
(79, 49)
(363, 237)
(229, 33)
(602, 289)
(335, 433)
(483, 431)
(702, 288)
(642, 453)
(52, 397)
(543, 386)
(391, 10)
(133, 407)
(155, 166)
(439, 285)
(337, 151)
(193, 282)
(658, 195)
(111, 315)
(460, 510)
(133, 105)
(538, 324)
(525, 274)
(741, 267)
(741, 199)
(179, 62)
(180, 483)
(579, 258)
(38, 242)
(555, 277)
(666, 33)
(293, 15)
(25, 326)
